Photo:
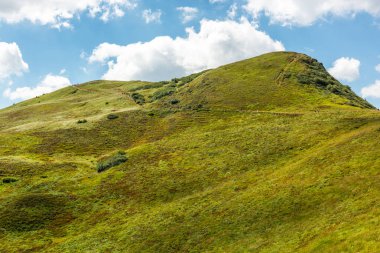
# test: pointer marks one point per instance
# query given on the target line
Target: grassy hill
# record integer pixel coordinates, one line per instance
(270, 154)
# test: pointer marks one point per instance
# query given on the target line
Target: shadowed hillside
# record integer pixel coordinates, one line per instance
(270, 154)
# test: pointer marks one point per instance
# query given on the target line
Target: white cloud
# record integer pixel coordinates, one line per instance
(377, 68)
(187, 13)
(232, 11)
(216, 1)
(347, 69)
(216, 43)
(152, 16)
(372, 90)
(306, 12)
(11, 61)
(49, 84)
(105, 51)
(58, 13)
(83, 55)
(85, 70)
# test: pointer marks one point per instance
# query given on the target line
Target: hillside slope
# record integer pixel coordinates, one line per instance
(270, 154)
(275, 81)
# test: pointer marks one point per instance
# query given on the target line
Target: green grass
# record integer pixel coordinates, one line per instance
(250, 159)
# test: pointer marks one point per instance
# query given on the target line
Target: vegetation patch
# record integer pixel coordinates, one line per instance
(175, 82)
(174, 101)
(82, 121)
(115, 160)
(138, 98)
(31, 212)
(316, 74)
(112, 116)
(9, 180)
(167, 91)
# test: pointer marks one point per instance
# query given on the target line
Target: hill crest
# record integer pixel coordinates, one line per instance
(280, 81)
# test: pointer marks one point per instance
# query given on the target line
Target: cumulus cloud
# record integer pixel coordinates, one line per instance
(216, 43)
(105, 51)
(188, 13)
(58, 13)
(346, 69)
(152, 16)
(304, 13)
(11, 61)
(217, 1)
(377, 68)
(372, 90)
(49, 84)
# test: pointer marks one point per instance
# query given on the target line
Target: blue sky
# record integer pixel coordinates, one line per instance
(63, 42)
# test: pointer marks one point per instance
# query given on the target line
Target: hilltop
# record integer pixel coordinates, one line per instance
(269, 154)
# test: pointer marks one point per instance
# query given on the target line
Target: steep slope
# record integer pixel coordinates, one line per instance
(270, 154)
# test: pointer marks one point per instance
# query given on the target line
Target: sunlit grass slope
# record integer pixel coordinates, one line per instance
(270, 154)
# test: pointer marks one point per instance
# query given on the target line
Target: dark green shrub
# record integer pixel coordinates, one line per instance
(119, 158)
(9, 180)
(198, 107)
(174, 101)
(321, 81)
(162, 93)
(112, 116)
(82, 121)
(138, 98)
(74, 91)
(305, 79)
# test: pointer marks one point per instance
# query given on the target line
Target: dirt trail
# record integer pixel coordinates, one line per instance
(281, 76)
